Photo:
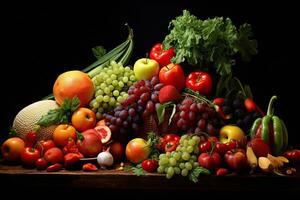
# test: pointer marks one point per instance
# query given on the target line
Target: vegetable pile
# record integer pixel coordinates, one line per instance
(158, 115)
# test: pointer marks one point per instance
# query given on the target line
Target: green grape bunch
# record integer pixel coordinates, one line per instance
(181, 161)
(111, 86)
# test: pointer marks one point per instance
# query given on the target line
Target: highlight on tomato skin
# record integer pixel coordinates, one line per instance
(199, 81)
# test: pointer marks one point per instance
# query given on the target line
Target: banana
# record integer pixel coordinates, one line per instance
(251, 158)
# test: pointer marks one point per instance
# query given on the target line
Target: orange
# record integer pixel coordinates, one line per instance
(73, 83)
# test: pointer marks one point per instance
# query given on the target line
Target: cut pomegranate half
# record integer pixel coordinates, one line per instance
(104, 132)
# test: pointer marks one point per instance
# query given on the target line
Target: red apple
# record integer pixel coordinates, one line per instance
(172, 74)
(137, 150)
(236, 159)
(91, 144)
(117, 150)
(11, 149)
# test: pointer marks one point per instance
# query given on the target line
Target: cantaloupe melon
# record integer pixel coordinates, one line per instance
(25, 121)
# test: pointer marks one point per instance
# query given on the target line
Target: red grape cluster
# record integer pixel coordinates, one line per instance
(129, 117)
(195, 117)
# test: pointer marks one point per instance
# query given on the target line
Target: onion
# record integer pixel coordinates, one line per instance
(105, 159)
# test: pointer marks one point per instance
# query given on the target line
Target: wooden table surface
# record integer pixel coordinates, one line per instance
(17, 176)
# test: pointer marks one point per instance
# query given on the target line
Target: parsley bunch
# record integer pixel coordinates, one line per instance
(209, 42)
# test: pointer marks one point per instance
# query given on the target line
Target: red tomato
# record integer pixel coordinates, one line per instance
(236, 159)
(172, 74)
(30, 139)
(41, 164)
(150, 165)
(89, 167)
(199, 81)
(54, 155)
(29, 156)
(171, 136)
(162, 56)
(292, 155)
(171, 146)
(205, 146)
(54, 168)
(210, 161)
(44, 145)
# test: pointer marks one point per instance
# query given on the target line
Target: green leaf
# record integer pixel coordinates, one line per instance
(194, 174)
(214, 42)
(75, 104)
(60, 115)
(99, 51)
(136, 170)
(172, 114)
(161, 111)
(247, 47)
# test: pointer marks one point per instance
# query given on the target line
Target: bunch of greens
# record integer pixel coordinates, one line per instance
(209, 42)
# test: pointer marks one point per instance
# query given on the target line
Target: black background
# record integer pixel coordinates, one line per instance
(41, 41)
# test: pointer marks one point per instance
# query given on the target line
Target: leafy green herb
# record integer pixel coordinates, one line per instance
(153, 140)
(194, 174)
(136, 170)
(99, 51)
(161, 112)
(61, 114)
(209, 42)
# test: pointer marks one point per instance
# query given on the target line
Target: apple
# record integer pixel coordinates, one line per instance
(231, 132)
(90, 145)
(137, 150)
(83, 119)
(11, 149)
(236, 159)
(172, 74)
(145, 68)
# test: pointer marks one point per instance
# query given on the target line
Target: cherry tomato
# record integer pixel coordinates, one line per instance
(29, 156)
(150, 165)
(171, 146)
(205, 146)
(292, 155)
(199, 81)
(171, 136)
(41, 164)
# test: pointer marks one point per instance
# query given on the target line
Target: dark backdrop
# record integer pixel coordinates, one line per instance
(39, 42)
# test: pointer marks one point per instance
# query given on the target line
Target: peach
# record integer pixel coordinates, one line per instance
(73, 83)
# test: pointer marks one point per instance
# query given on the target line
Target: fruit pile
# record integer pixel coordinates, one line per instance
(158, 115)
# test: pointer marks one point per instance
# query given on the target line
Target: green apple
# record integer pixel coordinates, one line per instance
(145, 68)
(231, 132)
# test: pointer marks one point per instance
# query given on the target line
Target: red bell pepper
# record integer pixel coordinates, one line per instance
(162, 56)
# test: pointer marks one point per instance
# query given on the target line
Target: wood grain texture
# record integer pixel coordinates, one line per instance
(113, 179)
